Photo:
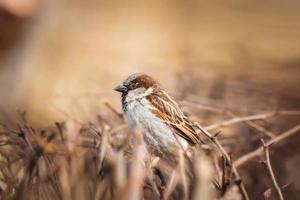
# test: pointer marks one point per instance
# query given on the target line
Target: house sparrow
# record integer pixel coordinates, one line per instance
(149, 108)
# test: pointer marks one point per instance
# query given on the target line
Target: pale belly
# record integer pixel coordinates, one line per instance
(158, 137)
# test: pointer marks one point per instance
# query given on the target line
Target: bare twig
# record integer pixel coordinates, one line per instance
(217, 109)
(267, 193)
(245, 158)
(60, 128)
(118, 128)
(23, 135)
(255, 126)
(238, 181)
(239, 120)
(225, 179)
(251, 118)
(171, 185)
(269, 166)
(183, 175)
(110, 107)
(205, 107)
(77, 121)
(260, 129)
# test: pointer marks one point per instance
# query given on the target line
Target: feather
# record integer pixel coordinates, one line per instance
(168, 111)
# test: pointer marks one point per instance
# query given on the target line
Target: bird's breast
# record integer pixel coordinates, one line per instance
(156, 134)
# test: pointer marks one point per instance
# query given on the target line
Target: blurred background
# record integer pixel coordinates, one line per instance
(63, 57)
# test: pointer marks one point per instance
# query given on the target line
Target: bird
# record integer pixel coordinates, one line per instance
(148, 108)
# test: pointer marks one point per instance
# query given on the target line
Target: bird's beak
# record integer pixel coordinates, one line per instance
(121, 88)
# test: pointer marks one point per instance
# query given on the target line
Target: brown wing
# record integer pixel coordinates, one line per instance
(168, 111)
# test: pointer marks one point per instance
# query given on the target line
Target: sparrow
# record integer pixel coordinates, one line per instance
(148, 108)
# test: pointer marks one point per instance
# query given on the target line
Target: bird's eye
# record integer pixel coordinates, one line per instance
(130, 86)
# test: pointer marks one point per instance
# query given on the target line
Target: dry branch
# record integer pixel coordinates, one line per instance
(110, 107)
(254, 125)
(249, 120)
(252, 118)
(231, 114)
(238, 180)
(245, 158)
(269, 166)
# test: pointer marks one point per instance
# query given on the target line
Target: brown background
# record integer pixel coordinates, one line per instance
(62, 59)
(66, 56)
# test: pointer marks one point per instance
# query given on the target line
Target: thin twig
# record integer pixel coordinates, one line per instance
(23, 135)
(120, 115)
(230, 114)
(251, 118)
(60, 128)
(118, 128)
(245, 158)
(239, 120)
(74, 119)
(202, 106)
(238, 180)
(260, 129)
(217, 109)
(269, 166)
(171, 185)
(225, 179)
(255, 126)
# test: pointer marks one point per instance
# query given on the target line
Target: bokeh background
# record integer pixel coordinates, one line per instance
(62, 59)
(66, 56)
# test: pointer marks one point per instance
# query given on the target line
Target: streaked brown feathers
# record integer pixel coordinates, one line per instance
(168, 111)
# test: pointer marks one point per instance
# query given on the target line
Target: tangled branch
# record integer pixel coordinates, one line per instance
(267, 162)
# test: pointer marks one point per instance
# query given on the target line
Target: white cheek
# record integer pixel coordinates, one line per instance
(135, 94)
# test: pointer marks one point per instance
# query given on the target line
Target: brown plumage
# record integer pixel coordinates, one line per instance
(162, 106)
(168, 111)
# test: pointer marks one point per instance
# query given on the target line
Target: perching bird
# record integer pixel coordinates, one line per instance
(148, 107)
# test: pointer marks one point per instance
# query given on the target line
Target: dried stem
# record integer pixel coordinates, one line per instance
(245, 158)
(238, 181)
(171, 185)
(269, 166)
(224, 181)
(260, 129)
(120, 115)
(255, 126)
(251, 118)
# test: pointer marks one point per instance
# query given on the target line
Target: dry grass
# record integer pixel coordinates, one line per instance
(102, 160)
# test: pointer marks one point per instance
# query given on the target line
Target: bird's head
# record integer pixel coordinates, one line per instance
(137, 83)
